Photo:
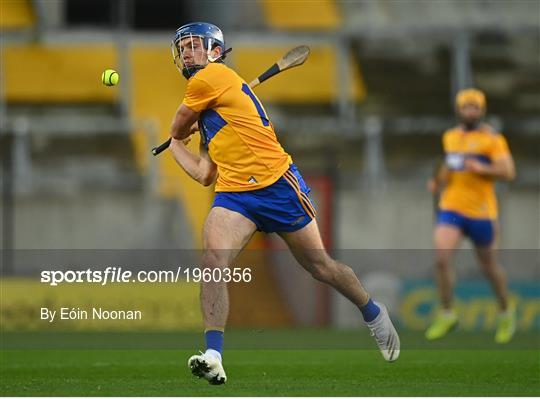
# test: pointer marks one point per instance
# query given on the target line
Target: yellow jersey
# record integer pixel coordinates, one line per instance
(236, 130)
(468, 193)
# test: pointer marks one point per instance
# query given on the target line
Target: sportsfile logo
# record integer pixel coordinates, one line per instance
(113, 274)
(109, 275)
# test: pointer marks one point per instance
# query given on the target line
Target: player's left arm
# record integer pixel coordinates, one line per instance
(502, 163)
(502, 168)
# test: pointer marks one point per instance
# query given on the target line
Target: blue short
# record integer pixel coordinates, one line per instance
(480, 231)
(283, 206)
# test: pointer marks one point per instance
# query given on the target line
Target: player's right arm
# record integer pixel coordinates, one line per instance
(184, 123)
(200, 167)
(439, 179)
(199, 96)
(441, 174)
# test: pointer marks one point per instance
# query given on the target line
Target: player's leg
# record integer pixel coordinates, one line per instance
(485, 244)
(446, 239)
(307, 247)
(226, 232)
(486, 253)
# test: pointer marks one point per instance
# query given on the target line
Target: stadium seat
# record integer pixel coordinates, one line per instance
(297, 15)
(57, 74)
(16, 15)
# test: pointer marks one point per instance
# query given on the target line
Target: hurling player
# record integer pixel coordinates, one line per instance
(258, 187)
(475, 156)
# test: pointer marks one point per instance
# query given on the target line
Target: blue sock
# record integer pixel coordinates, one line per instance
(214, 340)
(370, 311)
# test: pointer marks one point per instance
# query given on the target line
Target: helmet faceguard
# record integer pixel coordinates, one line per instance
(192, 47)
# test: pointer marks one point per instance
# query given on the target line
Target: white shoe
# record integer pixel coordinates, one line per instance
(207, 367)
(385, 334)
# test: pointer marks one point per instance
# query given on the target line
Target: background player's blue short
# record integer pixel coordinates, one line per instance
(281, 207)
(480, 231)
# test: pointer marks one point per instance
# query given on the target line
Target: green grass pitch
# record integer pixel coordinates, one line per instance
(436, 370)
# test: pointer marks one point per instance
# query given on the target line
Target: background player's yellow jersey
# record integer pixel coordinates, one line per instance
(236, 130)
(468, 193)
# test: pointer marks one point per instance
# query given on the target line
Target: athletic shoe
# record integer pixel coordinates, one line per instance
(506, 326)
(385, 334)
(444, 322)
(207, 367)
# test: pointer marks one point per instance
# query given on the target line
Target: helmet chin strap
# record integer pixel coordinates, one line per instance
(188, 72)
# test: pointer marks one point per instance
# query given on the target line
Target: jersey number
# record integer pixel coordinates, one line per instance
(260, 110)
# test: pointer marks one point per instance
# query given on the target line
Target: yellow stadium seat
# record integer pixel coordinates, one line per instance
(58, 74)
(16, 14)
(302, 15)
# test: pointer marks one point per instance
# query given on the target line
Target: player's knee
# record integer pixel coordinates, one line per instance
(213, 259)
(488, 267)
(324, 270)
(442, 263)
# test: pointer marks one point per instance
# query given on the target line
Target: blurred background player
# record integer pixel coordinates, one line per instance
(475, 156)
(258, 188)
